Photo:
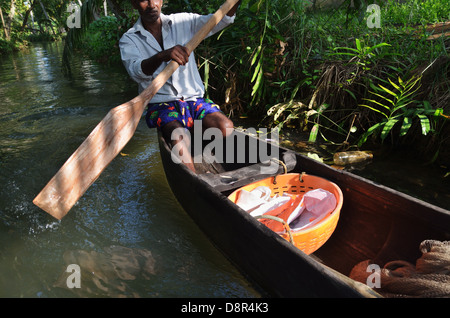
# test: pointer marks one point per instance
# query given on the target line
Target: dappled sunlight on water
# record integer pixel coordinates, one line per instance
(128, 229)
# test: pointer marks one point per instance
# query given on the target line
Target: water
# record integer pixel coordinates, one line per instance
(128, 234)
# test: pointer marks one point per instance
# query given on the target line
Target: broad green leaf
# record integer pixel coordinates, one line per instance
(313, 133)
(387, 128)
(374, 109)
(385, 98)
(369, 132)
(358, 45)
(258, 82)
(377, 46)
(400, 106)
(388, 90)
(393, 84)
(424, 123)
(344, 53)
(256, 72)
(258, 50)
(407, 122)
(345, 48)
(438, 112)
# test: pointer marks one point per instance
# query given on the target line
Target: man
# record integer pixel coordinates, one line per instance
(148, 47)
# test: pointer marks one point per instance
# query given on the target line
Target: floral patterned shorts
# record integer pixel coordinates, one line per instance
(185, 112)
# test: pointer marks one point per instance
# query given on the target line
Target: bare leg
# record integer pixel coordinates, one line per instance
(181, 142)
(218, 120)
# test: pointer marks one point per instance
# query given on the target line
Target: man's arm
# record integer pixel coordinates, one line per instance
(234, 9)
(177, 53)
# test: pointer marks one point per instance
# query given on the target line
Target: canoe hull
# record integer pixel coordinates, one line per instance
(376, 223)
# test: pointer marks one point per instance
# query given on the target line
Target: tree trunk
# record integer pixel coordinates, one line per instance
(27, 14)
(12, 12)
(4, 26)
(49, 21)
(43, 9)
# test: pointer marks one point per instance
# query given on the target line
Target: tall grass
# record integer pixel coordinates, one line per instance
(281, 59)
(293, 66)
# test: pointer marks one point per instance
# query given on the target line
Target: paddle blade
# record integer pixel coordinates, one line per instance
(90, 159)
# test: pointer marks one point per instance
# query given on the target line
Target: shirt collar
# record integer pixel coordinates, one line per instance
(165, 19)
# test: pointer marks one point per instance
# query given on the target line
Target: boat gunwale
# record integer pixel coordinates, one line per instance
(336, 176)
(353, 288)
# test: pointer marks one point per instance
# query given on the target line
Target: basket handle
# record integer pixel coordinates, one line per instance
(274, 218)
(281, 163)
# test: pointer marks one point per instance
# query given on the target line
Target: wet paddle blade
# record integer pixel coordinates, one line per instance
(90, 159)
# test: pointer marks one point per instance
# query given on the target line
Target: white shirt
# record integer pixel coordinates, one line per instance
(137, 44)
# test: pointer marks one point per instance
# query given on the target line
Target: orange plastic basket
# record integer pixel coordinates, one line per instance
(312, 237)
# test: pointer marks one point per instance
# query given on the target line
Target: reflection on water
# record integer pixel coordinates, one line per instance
(128, 213)
(106, 273)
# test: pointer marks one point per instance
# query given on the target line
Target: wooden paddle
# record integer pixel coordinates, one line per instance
(109, 137)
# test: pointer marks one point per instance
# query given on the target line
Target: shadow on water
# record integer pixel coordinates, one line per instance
(128, 234)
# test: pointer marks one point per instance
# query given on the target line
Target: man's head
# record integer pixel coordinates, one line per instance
(149, 10)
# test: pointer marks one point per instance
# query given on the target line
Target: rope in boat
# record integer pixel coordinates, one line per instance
(429, 278)
(286, 226)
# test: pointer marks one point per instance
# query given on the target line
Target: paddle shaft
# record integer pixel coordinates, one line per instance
(109, 137)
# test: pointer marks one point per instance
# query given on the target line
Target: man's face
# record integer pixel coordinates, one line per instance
(148, 9)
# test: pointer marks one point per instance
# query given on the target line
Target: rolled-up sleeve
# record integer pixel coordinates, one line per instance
(137, 44)
(132, 59)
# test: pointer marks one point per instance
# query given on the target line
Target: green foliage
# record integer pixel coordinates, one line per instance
(175, 6)
(98, 37)
(253, 53)
(362, 55)
(397, 104)
(101, 39)
(360, 58)
(17, 42)
(5, 46)
(292, 64)
(416, 11)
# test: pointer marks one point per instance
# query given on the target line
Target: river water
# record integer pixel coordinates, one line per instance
(128, 235)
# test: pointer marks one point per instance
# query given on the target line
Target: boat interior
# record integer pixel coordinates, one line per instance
(374, 224)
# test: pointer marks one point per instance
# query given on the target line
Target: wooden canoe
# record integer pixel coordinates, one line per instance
(376, 223)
